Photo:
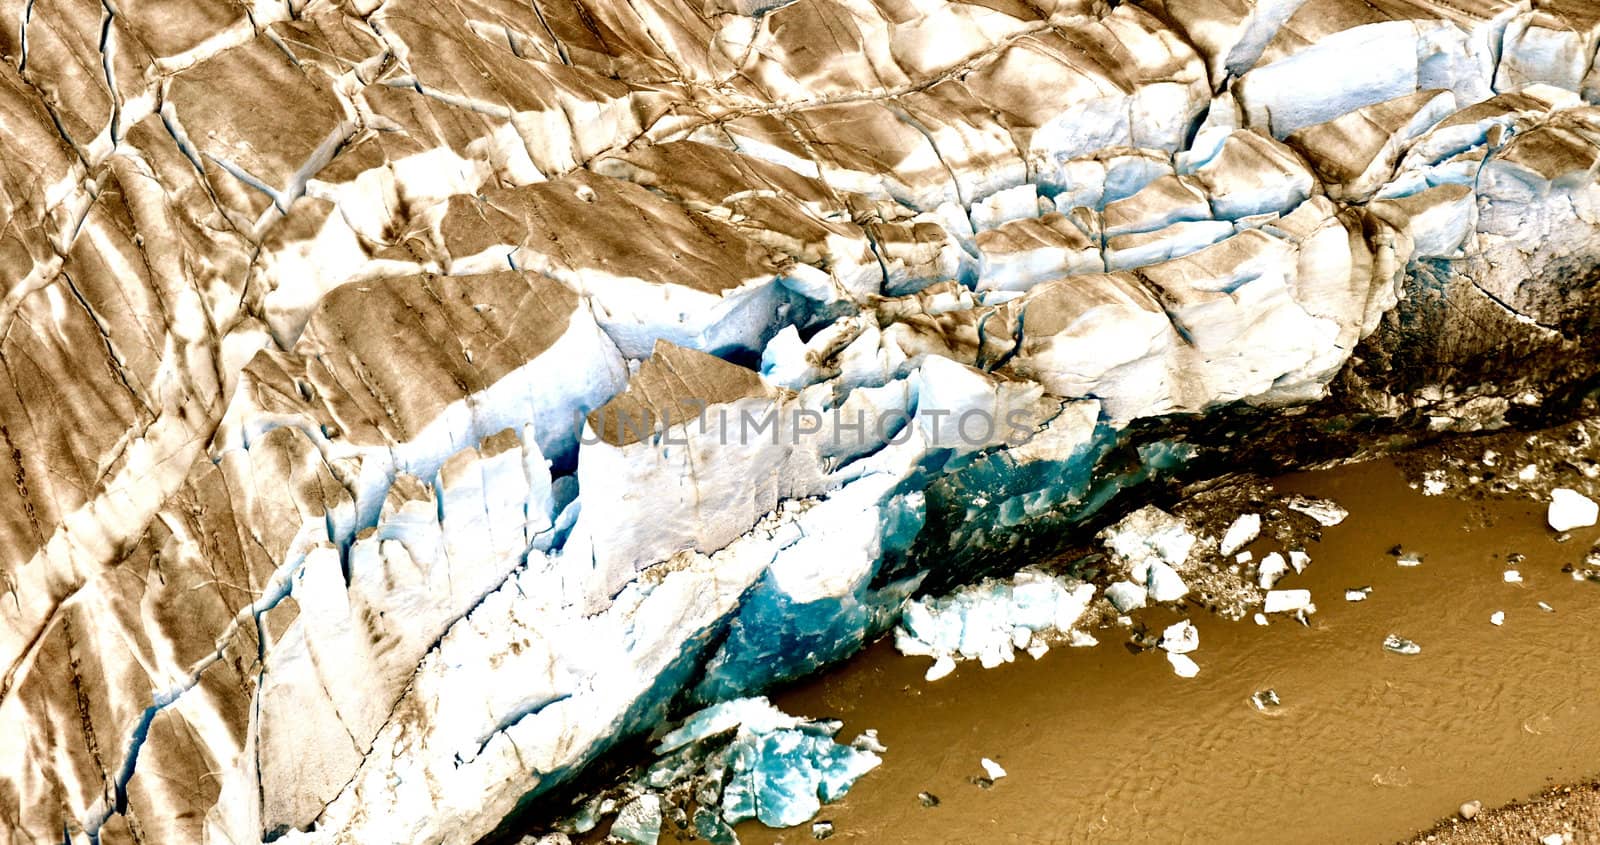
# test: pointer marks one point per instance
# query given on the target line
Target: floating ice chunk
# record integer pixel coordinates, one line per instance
(1528, 473)
(1512, 576)
(1497, 618)
(1546, 608)
(1273, 567)
(991, 620)
(1038, 649)
(1241, 533)
(1357, 593)
(1327, 512)
(868, 741)
(1183, 665)
(1261, 619)
(1288, 601)
(639, 822)
(1243, 557)
(1570, 509)
(1400, 645)
(821, 830)
(1299, 560)
(1081, 639)
(993, 768)
(1409, 559)
(783, 777)
(1180, 638)
(1266, 699)
(1164, 585)
(1126, 596)
(1553, 839)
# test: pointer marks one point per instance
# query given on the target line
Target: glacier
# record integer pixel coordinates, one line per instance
(411, 404)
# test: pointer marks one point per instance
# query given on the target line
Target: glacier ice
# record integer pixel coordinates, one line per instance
(991, 620)
(322, 324)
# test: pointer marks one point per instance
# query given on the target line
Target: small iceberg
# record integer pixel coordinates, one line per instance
(994, 619)
(1396, 644)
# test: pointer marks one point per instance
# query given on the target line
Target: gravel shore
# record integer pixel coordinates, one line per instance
(1573, 811)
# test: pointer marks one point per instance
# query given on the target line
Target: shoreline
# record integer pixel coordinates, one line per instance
(1572, 810)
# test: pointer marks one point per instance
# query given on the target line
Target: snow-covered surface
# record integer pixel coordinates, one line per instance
(325, 325)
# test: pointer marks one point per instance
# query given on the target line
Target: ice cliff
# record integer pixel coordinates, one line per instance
(407, 401)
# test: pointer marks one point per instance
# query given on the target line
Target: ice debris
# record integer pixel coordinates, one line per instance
(1357, 593)
(1409, 559)
(821, 830)
(1273, 567)
(1497, 618)
(1164, 584)
(1180, 638)
(1546, 607)
(1326, 512)
(1148, 535)
(1570, 509)
(928, 799)
(1400, 645)
(1288, 601)
(740, 759)
(639, 821)
(994, 770)
(1299, 560)
(1512, 576)
(993, 619)
(1183, 665)
(1265, 699)
(1126, 596)
(1241, 533)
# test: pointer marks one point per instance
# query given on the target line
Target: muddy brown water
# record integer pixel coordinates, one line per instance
(1104, 745)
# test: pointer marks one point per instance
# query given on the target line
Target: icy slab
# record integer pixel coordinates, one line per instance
(1326, 512)
(1570, 509)
(1180, 638)
(1241, 533)
(1146, 535)
(782, 778)
(991, 620)
(1182, 665)
(1164, 584)
(1288, 601)
(993, 769)
(740, 759)
(1127, 596)
(1400, 645)
(1273, 567)
(639, 821)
